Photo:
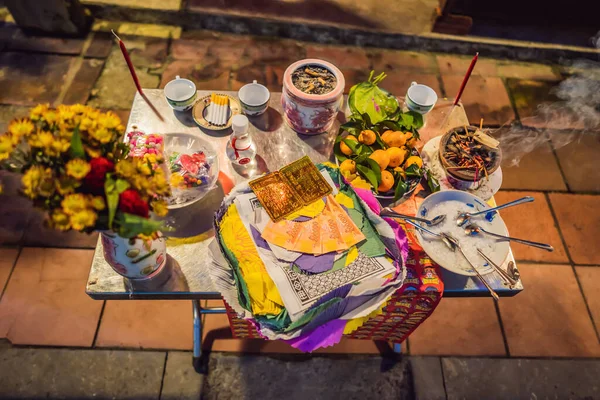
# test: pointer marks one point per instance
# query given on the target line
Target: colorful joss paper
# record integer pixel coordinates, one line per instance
(264, 297)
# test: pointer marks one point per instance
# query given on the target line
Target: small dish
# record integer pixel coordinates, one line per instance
(180, 94)
(254, 99)
(201, 108)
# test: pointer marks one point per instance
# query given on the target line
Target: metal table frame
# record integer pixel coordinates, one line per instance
(183, 276)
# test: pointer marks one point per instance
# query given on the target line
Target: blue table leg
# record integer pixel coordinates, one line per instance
(198, 311)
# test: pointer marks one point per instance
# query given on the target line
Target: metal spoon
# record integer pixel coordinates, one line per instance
(474, 230)
(507, 278)
(463, 218)
(408, 221)
(512, 269)
(453, 244)
(388, 212)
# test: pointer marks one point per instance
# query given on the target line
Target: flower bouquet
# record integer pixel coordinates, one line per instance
(75, 168)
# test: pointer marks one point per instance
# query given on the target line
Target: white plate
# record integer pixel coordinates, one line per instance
(443, 257)
(485, 188)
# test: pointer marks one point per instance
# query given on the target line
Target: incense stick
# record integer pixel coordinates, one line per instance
(466, 78)
(135, 78)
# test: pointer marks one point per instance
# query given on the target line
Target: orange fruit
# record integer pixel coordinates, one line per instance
(344, 147)
(367, 137)
(393, 138)
(381, 157)
(413, 160)
(410, 140)
(401, 172)
(397, 156)
(349, 166)
(387, 181)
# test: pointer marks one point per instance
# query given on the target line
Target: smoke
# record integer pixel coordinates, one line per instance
(576, 113)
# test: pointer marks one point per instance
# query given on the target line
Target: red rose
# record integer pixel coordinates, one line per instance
(100, 166)
(130, 202)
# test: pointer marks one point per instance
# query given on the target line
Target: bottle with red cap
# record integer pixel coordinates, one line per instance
(240, 148)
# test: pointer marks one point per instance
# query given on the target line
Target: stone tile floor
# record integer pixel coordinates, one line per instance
(42, 302)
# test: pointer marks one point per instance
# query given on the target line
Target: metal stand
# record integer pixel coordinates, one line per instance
(199, 363)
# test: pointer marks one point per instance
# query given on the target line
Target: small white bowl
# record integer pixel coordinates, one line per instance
(180, 93)
(254, 98)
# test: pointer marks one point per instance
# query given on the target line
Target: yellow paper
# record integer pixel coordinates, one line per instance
(354, 324)
(309, 211)
(264, 296)
(352, 255)
(344, 200)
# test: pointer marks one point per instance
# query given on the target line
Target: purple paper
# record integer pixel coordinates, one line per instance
(302, 218)
(258, 239)
(316, 264)
(325, 335)
(340, 292)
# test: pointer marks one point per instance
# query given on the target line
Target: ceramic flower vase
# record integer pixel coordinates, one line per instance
(134, 258)
(311, 114)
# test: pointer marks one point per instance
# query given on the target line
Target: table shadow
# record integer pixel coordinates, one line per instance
(270, 121)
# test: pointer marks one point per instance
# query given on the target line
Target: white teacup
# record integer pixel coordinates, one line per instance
(254, 98)
(420, 98)
(180, 94)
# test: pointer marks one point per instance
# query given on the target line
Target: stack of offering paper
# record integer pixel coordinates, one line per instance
(328, 262)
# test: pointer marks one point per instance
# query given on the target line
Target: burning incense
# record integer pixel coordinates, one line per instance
(466, 79)
(135, 78)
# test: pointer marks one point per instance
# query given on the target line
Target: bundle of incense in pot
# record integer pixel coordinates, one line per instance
(218, 109)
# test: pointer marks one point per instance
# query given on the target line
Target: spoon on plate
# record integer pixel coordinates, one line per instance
(474, 230)
(453, 244)
(388, 212)
(463, 218)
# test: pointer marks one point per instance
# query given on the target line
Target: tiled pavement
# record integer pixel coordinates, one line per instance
(42, 273)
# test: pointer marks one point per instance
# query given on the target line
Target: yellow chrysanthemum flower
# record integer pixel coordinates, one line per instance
(160, 208)
(102, 134)
(109, 120)
(65, 113)
(60, 146)
(83, 219)
(65, 185)
(87, 124)
(79, 108)
(151, 158)
(60, 221)
(42, 140)
(74, 203)
(6, 146)
(37, 180)
(98, 203)
(36, 113)
(50, 116)
(126, 168)
(161, 187)
(78, 168)
(19, 128)
(93, 151)
(144, 168)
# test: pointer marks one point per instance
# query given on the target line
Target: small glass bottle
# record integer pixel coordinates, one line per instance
(241, 149)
